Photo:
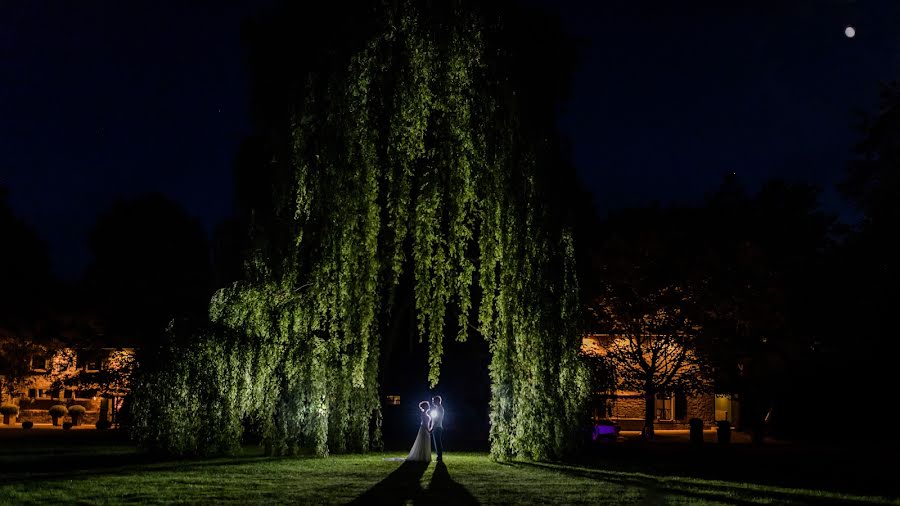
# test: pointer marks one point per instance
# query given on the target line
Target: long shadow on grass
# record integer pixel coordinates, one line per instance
(399, 487)
(443, 490)
(49, 467)
(657, 487)
(851, 471)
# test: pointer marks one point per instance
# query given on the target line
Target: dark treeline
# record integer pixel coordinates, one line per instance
(150, 263)
(789, 309)
(743, 276)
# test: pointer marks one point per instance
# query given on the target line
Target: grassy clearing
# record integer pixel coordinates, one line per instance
(50, 470)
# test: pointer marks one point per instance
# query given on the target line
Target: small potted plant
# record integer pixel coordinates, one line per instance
(8, 410)
(76, 411)
(27, 424)
(723, 432)
(56, 412)
(696, 430)
(67, 425)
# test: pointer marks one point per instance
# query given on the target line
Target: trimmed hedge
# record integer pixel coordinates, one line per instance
(58, 410)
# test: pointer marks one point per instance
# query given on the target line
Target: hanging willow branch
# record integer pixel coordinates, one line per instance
(412, 150)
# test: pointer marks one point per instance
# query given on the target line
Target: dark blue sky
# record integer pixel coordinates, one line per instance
(103, 100)
(670, 99)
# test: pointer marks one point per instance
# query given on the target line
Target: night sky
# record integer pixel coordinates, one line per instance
(103, 100)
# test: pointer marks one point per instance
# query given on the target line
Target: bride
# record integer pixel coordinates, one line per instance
(421, 449)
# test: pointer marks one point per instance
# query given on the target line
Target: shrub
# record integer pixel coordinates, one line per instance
(8, 410)
(76, 412)
(58, 411)
(723, 431)
(102, 424)
(696, 432)
(67, 425)
(27, 425)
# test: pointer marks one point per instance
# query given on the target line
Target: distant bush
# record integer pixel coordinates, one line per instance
(67, 425)
(696, 432)
(76, 412)
(102, 424)
(723, 431)
(8, 410)
(27, 425)
(58, 410)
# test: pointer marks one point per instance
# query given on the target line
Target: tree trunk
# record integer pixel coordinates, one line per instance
(753, 415)
(649, 413)
(104, 409)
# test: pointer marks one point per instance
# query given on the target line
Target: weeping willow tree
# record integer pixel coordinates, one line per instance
(410, 144)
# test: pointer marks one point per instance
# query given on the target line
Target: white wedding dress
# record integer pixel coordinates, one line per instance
(421, 449)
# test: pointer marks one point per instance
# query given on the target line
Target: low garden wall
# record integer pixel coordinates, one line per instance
(42, 416)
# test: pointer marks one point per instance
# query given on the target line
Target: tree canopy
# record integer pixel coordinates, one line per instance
(141, 248)
(26, 274)
(415, 143)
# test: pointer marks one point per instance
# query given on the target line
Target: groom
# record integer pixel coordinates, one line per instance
(437, 426)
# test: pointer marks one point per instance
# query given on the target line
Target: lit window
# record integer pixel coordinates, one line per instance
(393, 400)
(38, 363)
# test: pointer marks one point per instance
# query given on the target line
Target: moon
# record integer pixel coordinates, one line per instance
(849, 32)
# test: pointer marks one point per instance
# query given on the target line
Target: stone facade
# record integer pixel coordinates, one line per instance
(627, 409)
(627, 406)
(38, 394)
(702, 406)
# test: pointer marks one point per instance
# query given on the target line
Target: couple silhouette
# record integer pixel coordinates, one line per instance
(431, 428)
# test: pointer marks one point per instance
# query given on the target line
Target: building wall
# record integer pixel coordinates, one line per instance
(628, 410)
(36, 395)
(628, 407)
(703, 407)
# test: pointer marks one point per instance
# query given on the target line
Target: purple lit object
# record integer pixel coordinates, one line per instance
(603, 431)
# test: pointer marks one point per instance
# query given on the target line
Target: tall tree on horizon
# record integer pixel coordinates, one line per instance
(26, 274)
(408, 142)
(867, 265)
(644, 300)
(141, 248)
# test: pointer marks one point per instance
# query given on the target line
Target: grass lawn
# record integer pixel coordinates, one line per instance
(94, 468)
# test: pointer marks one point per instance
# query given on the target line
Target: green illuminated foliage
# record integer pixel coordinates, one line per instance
(415, 154)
